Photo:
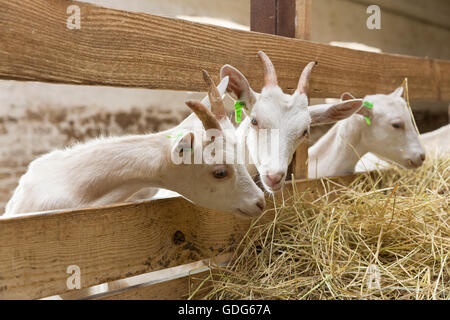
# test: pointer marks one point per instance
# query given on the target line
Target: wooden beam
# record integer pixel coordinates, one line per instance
(303, 19)
(273, 17)
(108, 243)
(175, 289)
(263, 16)
(117, 48)
(143, 282)
(286, 18)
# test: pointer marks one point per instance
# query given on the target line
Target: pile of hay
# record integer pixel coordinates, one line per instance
(380, 238)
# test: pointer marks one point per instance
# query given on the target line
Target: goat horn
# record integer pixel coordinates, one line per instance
(303, 82)
(270, 76)
(217, 106)
(205, 115)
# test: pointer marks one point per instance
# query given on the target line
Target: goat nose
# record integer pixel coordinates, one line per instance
(275, 178)
(422, 156)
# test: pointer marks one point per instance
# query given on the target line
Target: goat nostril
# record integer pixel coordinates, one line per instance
(275, 178)
(422, 156)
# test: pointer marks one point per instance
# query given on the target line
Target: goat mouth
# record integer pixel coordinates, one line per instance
(275, 187)
(247, 214)
(241, 212)
(272, 188)
(412, 165)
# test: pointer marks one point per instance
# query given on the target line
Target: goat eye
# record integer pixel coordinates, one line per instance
(397, 125)
(305, 132)
(220, 173)
(254, 122)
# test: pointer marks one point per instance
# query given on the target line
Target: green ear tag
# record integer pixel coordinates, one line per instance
(368, 105)
(238, 105)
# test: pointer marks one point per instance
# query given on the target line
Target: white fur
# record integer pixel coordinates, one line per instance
(111, 170)
(289, 114)
(338, 151)
(274, 110)
(436, 144)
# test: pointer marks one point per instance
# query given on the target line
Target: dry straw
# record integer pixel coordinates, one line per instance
(385, 236)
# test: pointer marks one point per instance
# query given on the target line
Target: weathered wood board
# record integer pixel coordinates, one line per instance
(117, 48)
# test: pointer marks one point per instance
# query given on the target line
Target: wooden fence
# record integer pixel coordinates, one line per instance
(118, 48)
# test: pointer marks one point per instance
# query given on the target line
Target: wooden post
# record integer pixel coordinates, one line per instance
(299, 163)
(303, 19)
(288, 18)
(273, 17)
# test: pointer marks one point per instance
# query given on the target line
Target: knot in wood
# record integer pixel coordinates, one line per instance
(178, 237)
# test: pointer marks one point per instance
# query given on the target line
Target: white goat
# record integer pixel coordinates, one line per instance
(391, 135)
(110, 170)
(436, 145)
(437, 142)
(289, 114)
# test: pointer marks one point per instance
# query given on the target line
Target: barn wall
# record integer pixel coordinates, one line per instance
(36, 118)
(404, 29)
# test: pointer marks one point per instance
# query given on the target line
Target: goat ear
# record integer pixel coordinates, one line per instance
(183, 147)
(362, 111)
(238, 86)
(329, 113)
(347, 96)
(397, 93)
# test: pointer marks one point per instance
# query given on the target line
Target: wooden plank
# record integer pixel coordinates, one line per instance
(299, 164)
(118, 287)
(118, 48)
(175, 289)
(108, 244)
(273, 17)
(190, 280)
(115, 242)
(286, 18)
(303, 19)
